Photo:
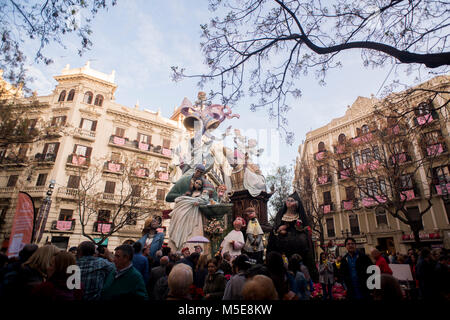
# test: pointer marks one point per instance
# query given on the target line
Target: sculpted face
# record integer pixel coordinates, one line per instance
(291, 203)
(251, 214)
(198, 173)
(198, 184)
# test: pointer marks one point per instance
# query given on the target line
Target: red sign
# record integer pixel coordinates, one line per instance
(22, 228)
(63, 225)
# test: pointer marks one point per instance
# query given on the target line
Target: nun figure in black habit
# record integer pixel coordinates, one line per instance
(291, 233)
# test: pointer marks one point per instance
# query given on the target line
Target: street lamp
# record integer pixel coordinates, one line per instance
(43, 212)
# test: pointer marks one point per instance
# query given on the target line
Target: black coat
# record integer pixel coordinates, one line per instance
(362, 263)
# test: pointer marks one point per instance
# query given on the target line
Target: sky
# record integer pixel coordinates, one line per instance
(141, 40)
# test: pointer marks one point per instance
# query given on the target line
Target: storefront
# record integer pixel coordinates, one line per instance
(429, 239)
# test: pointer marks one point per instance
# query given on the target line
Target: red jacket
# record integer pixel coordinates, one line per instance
(383, 265)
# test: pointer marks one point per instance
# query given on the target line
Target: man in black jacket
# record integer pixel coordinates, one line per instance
(354, 271)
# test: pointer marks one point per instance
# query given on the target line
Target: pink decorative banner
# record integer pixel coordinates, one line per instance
(400, 158)
(141, 172)
(323, 179)
(163, 176)
(439, 189)
(362, 167)
(366, 138)
(409, 195)
(340, 149)
(320, 155)
(327, 208)
(143, 146)
(78, 160)
(394, 130)
(118, 140)
(348, 205)
(114, 167)
(367, 202)
(63, 225)
(345, 174)
(166, 152)
(435, 149)
(357, 140)
(381, 199)
(103, 227)
(424, 119)
(374, 165)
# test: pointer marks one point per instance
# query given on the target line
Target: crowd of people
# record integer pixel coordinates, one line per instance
(132, 273)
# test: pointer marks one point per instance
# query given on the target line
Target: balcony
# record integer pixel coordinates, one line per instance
(340, 149)
(6, 192)
(321, 155)
(114, 167)
(373, 201)
(124, 143)
(53, 132)
(426, 119)
(434, 150)
(399, 158)
(362, 139)
(409, 194)
(12, 161)
(324, 180)
(327, 208)
(36, 191)
(371, 166)
(141, 172)
(67, 193)
(162, 175)
(48, 158)
(345, 174)
(442, 189)
(78, 160)
(351, 204)
(62, 225)
(102, 227)
(393, 131)
(84, 134)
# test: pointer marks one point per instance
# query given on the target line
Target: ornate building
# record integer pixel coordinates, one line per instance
(85, 129)
(382, 152)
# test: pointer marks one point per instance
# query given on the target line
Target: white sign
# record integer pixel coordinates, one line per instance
(401, 271)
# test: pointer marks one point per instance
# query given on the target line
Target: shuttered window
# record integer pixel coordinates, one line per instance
(110, 186)
(42, 178)
(73, 182)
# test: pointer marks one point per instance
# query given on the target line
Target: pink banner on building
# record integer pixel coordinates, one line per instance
(163, 176)
(394, 130)
(400, 158)
(63, 225)
(439, 189)
(357, 140)
(381, 199)
(408, 194)
(78, 160)
(103, 227)
(345, 174)
(166, 152)
(374, 165)
(114, 167)
(424, 119)
(141, 172)
(435, 149)
(348, 205)
(320, 155)
(362, 167)
(366, 138)
(327, 208)
(367, 202)
(143, 146)
(118, 140)
(340, 149)
(323, 179)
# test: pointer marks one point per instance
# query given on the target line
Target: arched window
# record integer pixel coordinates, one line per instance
(98, 100)
(88, 96)
(423, 108)
(62, 96)
(71, 95)
(365, 129)
(341, 138)
(321, 146)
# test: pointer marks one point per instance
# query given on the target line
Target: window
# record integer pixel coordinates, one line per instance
(22, 152)
(366, 155)
(88, 125)
(354, 224)
(322, 171)
(131, 218)
(115, 157)
(357, 158)
(344, 164)
(82, 150)
(383, 187)
(327, 197)
(12, 181)
(32, 125)
(120, 132)
(447, 208)
(73, 182)
(406, 182)
(163, 166)
(144, 138)
(398, 148)
(423, 108)
(62, 96)
(441, 174)
(98, 100)
(330, 227)
(350, 193)
(341, 138)
(371, 187)
(88, 96)
(415, 217)
(135, 190)
(321, 146)
(110, 187)
(104, 215)
(166, 143)
(160, 194)
(71, 95)
(41, 180)
(58, 121)
(60, 242)
(376, 153)
(51, 148)
(365, 129)
(65, 215)
(380, 215)
(432, 137)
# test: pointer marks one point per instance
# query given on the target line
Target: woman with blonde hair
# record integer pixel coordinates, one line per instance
(34, 271)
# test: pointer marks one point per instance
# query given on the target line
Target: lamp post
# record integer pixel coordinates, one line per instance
(43, 212)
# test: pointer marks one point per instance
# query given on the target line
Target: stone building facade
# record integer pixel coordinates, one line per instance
(348, 212)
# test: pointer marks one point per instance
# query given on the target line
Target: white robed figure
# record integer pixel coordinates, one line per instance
(234, 241)
(186, 218)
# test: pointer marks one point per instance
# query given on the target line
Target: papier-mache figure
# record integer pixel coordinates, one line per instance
(222, 194)
(151, 238)
(234, 241)
(254, 246)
